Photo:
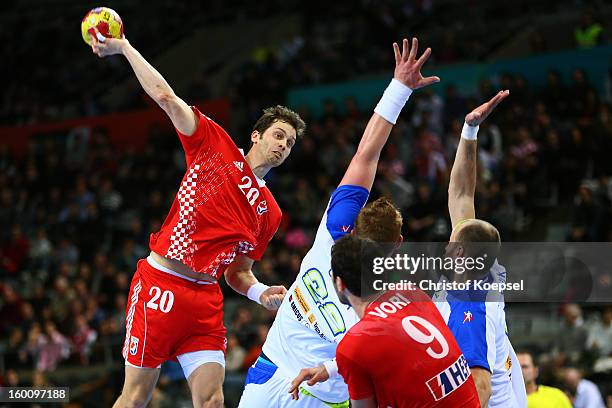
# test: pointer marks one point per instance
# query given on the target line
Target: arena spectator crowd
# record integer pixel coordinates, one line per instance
(350, 38)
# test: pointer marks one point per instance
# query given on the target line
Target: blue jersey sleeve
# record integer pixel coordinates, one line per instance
(344, 206)
(474, 332)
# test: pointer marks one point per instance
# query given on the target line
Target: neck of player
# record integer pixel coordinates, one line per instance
(358, 304)
(258, 165)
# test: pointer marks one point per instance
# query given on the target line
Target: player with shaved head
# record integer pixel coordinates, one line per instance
(476, 317)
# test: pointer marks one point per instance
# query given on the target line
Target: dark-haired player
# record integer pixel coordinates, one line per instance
(221, 221)
(401, 353)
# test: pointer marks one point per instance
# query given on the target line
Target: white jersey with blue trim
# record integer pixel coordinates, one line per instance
(311, 320)
(477, 319)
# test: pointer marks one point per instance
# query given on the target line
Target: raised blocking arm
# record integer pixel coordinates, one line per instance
(462, 185)
(407, 77)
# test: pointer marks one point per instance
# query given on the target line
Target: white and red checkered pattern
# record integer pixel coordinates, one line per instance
(226, 258)
(211, 220)
(180, 240)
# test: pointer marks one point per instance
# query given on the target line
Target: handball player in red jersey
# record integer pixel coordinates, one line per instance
(221, 221)
(401, 353)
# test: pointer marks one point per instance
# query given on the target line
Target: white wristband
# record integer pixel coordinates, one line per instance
(332, 368)
(469, 132)
(255, 291)
(393, 100)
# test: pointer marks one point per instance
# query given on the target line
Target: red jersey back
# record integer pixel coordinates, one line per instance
(221, 208)
(402, 352)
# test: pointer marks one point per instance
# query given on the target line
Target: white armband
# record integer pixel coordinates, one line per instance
(332, 367)
(393, 100)
(469, 132)
(255, 291)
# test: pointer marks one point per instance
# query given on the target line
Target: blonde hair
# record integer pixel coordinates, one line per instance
(379, 221)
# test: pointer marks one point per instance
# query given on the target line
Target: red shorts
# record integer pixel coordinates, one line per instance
(167, 316)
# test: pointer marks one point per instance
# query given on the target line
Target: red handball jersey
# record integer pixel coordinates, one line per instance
(403, 353)
(221, 209)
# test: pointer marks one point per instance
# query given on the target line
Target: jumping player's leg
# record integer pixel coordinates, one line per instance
(206, 385)
(156, 330)
(143, 356)
(138, 387)
(205, 372)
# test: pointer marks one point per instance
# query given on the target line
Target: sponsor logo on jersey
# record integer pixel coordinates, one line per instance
(467, 316)
(134, 345)
(450, 379)
(262, 207)
(320, 333)
(239, 165)
(508, 364)
(295, 309)
(301, 300)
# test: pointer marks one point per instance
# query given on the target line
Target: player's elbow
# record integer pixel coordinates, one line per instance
(165, 99)
(229, 276)
(364, 157)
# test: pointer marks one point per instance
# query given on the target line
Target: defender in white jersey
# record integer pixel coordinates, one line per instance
(476, 317)
(311, 320)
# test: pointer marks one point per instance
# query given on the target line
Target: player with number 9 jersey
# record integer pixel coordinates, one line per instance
(401, 353)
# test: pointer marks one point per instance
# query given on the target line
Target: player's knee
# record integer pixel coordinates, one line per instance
(213, 401)
(131, 401)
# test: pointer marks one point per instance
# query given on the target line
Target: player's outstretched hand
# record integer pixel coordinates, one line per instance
(312, 376)
(110, 46)
(478, 115)
(408, 67)
(272, 297)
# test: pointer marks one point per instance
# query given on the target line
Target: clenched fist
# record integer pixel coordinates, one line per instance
(272, 297)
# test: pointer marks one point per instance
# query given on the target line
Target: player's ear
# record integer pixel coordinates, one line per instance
(255, 136)
(399, 241)
(339, 284)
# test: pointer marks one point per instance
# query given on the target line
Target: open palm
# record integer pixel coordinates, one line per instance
(408, 67)
(478, 115)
